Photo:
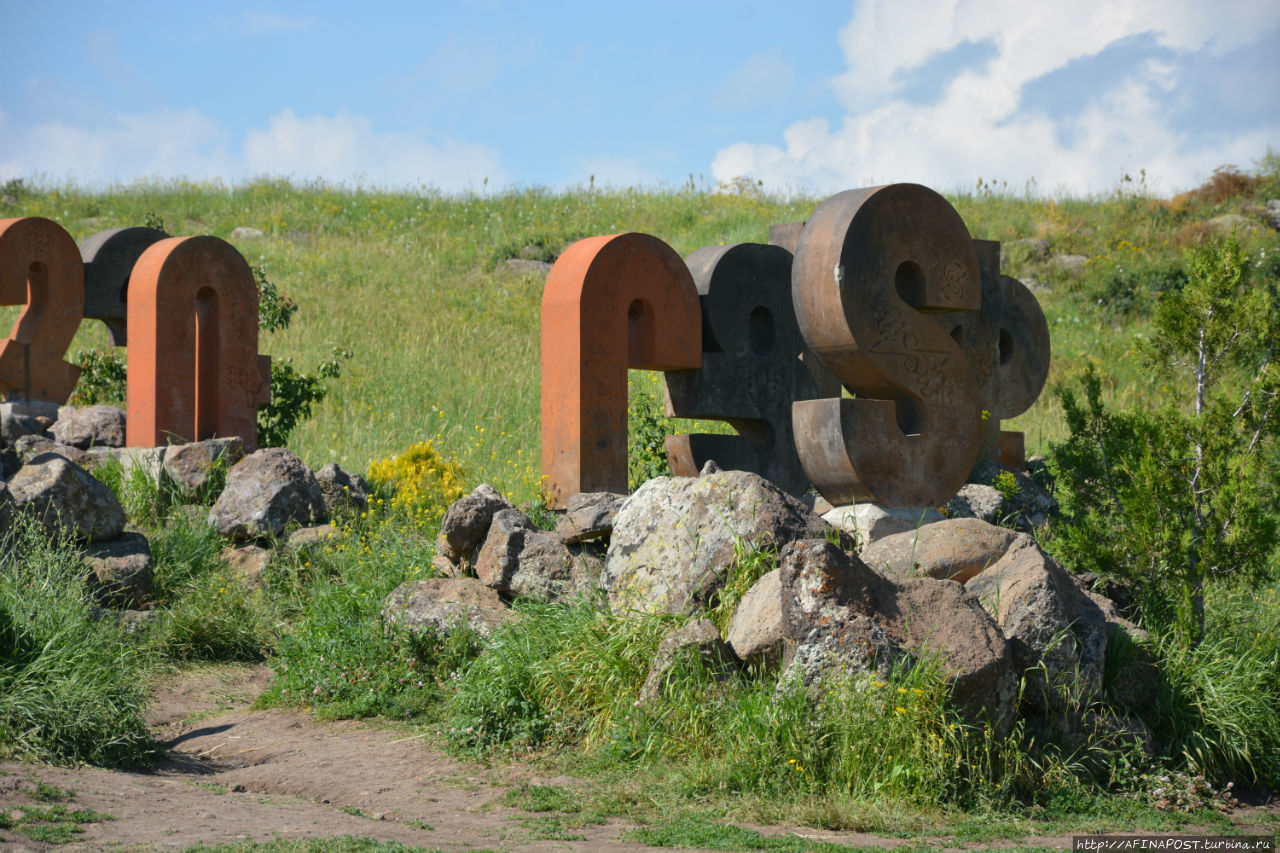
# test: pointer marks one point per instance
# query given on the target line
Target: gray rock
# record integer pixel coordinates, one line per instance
(245, 232)
(519, 559)
(870, 522)
(1233, 223)
(466, 522)
(188, 466)
(305, 538)
(342, 490)
(248, 563)
(66, 498)
(28, 447)
(699, 638)
(266, 492)
(101, 426)
(1029, 507)
(590, 516)
(755, 631)
(845, 617)
(673, 540)
(1070, 266)
(1273, 214)
(1056, 632)
(21, 418)
(975, 500)
(122, 571)
(444, 605)
(954, 549)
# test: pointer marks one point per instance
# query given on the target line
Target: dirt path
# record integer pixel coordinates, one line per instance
(236, 774)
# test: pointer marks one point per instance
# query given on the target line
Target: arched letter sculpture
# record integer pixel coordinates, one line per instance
(40, 267)
(751, 370)
(868, 265)
(109, 257)
(610, 302)
(194, 371)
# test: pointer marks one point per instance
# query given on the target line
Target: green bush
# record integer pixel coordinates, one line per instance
(72, 684)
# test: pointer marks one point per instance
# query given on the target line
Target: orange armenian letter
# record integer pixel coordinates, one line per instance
(610, 303)
(193, 344)
(40, 268)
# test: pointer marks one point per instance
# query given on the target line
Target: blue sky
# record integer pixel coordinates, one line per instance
(480, 96)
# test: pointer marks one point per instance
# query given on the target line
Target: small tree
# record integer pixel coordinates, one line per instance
(1172, 498)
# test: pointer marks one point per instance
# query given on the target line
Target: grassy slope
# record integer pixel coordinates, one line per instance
(445, 336)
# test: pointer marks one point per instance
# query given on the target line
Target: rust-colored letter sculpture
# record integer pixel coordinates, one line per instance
(751, 370)
(40, 267)
(194, 371)
(869, 263)
(611, 302)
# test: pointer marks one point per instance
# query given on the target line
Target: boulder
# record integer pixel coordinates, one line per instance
(246, 232)
(28, 447)
(91, 426)
(466, 522)
(1069, 266)
(673, 540)
(66, 498)
(266, 492)
(189, 466)
(121, 569)
(444, 605)
(590, 516)
(699, 638)
(954, 549)
(755, 631)
(1024, 503)
(975, 500)
(869, 522)
(305, 538)
(1057, 633)
(519, 559)
(22, 418)
(342, 490)
(845, 617)
(248, 563)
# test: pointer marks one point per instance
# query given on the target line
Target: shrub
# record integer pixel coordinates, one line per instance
(102, 378)
(421, 482)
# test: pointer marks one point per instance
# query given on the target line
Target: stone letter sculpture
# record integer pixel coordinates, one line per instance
(40, 267)
(611, 302)
(109, 257)
(194, 370)
(869, 263)
(751, 370)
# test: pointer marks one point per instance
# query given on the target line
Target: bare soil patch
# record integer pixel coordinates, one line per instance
(232, 773)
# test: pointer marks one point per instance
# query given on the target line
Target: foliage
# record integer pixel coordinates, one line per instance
(647, 431)
(71, 684)
(1172, 498)
(102, 378)
(750, 563)
(294, 397)
(420, 480)
(275, 309)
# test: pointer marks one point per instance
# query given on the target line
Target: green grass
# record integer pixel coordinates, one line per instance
(48, 820)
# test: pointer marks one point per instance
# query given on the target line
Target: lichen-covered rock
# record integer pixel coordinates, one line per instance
(589, 516)
(28, 447)
(1023, 502)
(954, 549)
(844, 617)
(755, 631)
(698, 637)
(122, 572)
(466, 522)
(868, 522)
(673, 540)
(1056, 632)
(444, 605)
(975, 500)
(67, 499)
(91, 426)
(342, 490)
(519, 559)
(24, 418)
(266, 492)
(189, 466)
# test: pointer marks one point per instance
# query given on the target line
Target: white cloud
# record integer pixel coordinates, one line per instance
(976, 128)
(344, 148)
(762, 78)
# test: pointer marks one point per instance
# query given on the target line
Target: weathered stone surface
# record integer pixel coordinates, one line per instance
(976, 501)
(1070, 266)
(700, 638)
(247, 232)
(312, 537)
(266, 492)
(590, 516)
(466, 522)
(673, 540)
(1026, 505)
(871, 522)
(444, 605)
(755, 631)
(28, 447)
(843, 614)
(519, 559)
(122, 570)
(188, 466)
(954, 549)
(67, 498)
(1056, 632)
(526, 265)
(22, 418)
(109, 257)
(248, 563)
(342, 489)
(90, 426)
